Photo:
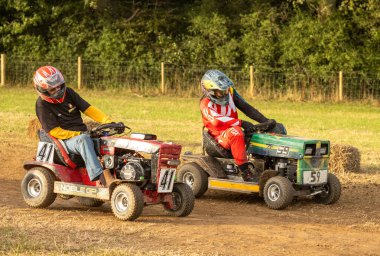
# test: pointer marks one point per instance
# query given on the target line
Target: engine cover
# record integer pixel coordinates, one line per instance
(132, 171)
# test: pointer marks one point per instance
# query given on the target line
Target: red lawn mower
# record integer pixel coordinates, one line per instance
(145, 169)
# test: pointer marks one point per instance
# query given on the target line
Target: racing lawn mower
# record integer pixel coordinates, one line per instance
(287, 167)
(145, 169)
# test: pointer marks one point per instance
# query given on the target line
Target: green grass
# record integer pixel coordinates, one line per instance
(179, 119)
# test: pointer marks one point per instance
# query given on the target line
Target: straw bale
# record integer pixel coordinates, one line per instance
(344, 158)
(33, 126)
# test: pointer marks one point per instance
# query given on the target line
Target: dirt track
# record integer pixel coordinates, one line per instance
(221, 224)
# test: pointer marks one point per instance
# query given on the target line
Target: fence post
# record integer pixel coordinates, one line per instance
(79, 72)
(162, 78)
(251, 81)
(2, 82)
(340, 96)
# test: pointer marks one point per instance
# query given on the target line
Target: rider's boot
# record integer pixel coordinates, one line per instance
(248, 172)
(106, 178)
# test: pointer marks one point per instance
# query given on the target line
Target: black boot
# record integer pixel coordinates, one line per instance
(248, 172)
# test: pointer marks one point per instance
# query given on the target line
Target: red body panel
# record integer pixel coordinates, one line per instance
(78, 175)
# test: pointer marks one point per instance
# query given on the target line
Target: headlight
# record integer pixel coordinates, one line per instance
(324, 149)
(308, 151)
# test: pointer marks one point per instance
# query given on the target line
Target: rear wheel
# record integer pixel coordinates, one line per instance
(195, 177)
(90, 202)
(37, 187)
(182, 201)
(331, 191)
(127, 201)
(278, 193)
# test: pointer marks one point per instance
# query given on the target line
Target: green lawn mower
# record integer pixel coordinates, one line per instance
(287, 166)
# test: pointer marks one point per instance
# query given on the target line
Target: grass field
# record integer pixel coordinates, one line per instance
(178, 119)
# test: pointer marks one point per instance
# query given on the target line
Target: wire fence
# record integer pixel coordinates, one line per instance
(185, 80)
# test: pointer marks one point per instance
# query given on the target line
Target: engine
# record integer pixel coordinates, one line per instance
(287, 168)
(132, 171)
(129, 167)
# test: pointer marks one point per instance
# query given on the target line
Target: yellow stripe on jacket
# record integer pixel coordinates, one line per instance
(97, 115)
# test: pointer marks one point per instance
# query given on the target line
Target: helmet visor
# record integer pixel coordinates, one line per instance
(55, 92)
(219, 94)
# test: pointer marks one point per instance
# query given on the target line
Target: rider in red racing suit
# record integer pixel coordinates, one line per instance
(219, 107)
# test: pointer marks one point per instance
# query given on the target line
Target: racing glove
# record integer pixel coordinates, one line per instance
(247, 126)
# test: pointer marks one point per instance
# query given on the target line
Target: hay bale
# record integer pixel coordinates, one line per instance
(33, 127)
(344, 158)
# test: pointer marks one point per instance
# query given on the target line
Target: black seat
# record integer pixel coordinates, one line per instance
(61, 155)
(212, 147)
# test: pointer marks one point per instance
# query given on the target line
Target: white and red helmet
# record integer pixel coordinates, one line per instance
(46, 79)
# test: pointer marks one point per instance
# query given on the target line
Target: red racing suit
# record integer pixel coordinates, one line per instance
(224, 124)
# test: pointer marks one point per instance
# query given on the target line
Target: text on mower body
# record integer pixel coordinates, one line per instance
(78, 189)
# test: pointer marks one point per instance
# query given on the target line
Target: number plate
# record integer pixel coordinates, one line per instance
(45, 152)
(315, 177)
(166, 181)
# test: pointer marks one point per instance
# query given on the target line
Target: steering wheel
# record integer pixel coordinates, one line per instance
(109, 129)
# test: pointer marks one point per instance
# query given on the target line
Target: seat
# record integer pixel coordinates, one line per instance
(213, 148)
(61, 154)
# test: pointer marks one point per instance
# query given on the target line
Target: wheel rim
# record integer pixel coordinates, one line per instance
(121, 202)
(177, 201)
(274, 192)
(34, 187)
(188, 179)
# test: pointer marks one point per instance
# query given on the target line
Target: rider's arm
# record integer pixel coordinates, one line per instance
(90, 111)
(63, 134)
(97, 115)
(247, 109)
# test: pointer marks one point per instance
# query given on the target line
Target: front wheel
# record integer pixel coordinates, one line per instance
(331, 191)
(195, 177)
(37, 187)
(182, 201)
(127, 201)
(278, 193)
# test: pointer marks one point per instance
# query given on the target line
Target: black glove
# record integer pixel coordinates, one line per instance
(247, 126)
(272, 124)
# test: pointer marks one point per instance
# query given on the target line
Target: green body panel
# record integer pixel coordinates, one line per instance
(291, 147)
